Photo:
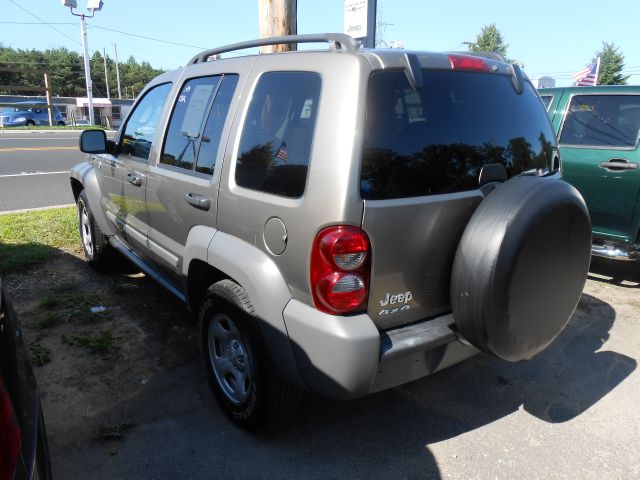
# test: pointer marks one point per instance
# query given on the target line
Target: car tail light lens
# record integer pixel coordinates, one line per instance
(9, 436)
(468, 62)
(340, 270)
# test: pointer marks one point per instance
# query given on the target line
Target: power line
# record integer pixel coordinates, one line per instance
(38, 23)
(147, 38)
(48, 24)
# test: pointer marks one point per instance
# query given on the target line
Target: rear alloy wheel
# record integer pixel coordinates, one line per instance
(240, 371)
(230, 359)
(94, 243)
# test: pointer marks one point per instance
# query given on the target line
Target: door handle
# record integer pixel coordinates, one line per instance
(134, 179)
(619, 164)
(198, 201)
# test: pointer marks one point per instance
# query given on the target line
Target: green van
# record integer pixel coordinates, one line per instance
(597, 129)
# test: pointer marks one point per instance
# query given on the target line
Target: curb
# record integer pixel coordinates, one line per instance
(8, 212)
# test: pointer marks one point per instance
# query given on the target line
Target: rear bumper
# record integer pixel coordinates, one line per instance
(347, 357)
(615, 248)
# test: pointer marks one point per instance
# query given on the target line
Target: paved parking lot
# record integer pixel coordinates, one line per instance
(570, 413)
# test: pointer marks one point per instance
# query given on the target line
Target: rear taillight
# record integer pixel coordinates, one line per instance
(9, 436)
(468, 62)
(340, 270)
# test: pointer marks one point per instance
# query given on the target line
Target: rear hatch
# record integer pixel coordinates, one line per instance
(422, 155)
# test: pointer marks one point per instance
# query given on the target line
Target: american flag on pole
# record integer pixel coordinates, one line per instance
(588, 76)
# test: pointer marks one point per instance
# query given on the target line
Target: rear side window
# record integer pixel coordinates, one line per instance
(602, 121)
(437, 139)
(275, 145)
(546, 100)
(211, 136)
(190, 143)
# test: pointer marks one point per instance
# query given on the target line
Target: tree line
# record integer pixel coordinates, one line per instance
(66, 72)
(611, 59)
(66, 68)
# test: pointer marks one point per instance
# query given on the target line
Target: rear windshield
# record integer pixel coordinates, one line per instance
(436, 140)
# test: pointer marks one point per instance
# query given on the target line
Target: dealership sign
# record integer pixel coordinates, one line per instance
(355, 18)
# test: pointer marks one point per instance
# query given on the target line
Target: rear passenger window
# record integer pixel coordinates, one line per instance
(602, 121)
(275, 145)
(210, 140)
(187, 145)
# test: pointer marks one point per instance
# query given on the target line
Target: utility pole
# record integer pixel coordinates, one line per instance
(93, 6)
(278, 18)
(106, 73)
(47, 87)
(115, 49)
(87, 70)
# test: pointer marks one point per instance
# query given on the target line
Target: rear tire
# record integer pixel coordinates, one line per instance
(94, 244)
(239, 369)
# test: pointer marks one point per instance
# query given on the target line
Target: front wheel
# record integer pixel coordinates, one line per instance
(239, 369)
(94, 243)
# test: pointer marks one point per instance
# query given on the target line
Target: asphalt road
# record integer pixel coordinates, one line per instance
(34, 168)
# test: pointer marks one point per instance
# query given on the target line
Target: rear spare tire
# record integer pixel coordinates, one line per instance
(521, 266)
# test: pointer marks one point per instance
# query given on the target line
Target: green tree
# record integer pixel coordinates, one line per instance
(611, 65)
(66, 71)
(489, 40)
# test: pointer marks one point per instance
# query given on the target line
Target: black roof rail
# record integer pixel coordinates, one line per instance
(338, 41)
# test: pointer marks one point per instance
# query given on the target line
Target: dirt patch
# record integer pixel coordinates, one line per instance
(97, 337)
(124, 396)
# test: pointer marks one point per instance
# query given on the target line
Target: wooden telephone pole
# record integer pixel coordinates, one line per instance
(278, 18)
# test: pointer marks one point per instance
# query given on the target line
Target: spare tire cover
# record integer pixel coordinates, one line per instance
(521, 266)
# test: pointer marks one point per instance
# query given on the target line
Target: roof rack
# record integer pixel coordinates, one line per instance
(338, 41)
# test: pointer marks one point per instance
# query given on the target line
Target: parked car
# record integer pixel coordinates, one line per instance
(598, 129)
(24, 451)
(29, 114)
(340, 221)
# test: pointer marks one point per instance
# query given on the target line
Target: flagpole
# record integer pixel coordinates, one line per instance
(597, 71)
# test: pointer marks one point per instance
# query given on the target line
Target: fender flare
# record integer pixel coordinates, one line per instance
(261, 278)
(85, 174)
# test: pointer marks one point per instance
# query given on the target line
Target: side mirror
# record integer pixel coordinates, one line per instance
(93, 141)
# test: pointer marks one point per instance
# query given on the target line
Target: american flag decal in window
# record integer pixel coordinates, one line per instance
(282, 151)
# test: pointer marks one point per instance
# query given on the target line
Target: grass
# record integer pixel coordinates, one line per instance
(39, 354)
(103, 343)
(63, 306)
(28, 238)
(50, 320)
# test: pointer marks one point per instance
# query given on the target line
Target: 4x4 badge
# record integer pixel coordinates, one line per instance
(389, 311)
(400, 299)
